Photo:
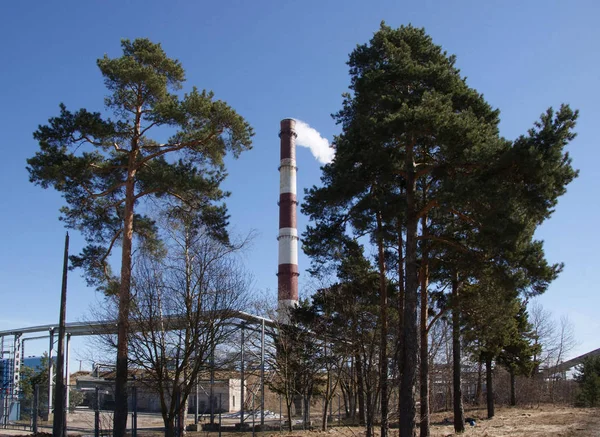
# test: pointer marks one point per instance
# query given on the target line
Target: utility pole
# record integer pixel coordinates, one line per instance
(59, 422)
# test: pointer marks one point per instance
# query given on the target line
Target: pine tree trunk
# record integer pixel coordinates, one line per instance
(513, 394)
(383, 358)
(459, 415)
(348, 388)
(424, 385)
(352, 392)
(400, 339)
(120, 412)
(361, 392)
(411, 339)
(479, 383)
(424, 350)
(489, 382)
(370, 414)
(326, 403)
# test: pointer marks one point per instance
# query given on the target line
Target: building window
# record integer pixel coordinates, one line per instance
(233, 401)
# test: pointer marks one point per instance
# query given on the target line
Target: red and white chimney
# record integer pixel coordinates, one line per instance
(287, 273)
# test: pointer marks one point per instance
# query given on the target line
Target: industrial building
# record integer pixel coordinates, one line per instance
(226, 392)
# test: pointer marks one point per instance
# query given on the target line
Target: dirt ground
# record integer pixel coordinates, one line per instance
(520, 422)
(544, 421)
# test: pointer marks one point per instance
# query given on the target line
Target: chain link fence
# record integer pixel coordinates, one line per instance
(91, 404)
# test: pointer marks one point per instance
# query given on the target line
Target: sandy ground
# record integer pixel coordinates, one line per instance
(518, 422)
(534, 422)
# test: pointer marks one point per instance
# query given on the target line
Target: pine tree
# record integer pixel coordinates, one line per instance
(410, 128)
(107, 167)
(588, 378)
(420, 162)
(517, 356)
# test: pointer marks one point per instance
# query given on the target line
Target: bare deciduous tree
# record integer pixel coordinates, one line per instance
(185, 296)
(557, 339)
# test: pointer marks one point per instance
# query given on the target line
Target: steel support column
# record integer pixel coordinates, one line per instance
(16, 370)
(262, 373)
(50, 370)
(242, 380)
(67, 378)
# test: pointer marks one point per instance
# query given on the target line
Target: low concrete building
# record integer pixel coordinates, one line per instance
(226, 393)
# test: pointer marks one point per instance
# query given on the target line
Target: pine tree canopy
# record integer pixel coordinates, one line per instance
(91, 156)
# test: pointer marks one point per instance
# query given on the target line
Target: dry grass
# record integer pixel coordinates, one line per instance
(534, 422)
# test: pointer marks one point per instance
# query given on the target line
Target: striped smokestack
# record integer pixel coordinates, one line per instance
(287, 273)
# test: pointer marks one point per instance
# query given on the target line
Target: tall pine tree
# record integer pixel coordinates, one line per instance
(420, 162)
(107, 167)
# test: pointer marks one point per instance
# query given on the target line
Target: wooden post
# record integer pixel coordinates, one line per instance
(58, 425)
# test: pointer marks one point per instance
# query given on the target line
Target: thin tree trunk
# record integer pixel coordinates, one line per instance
(306, 412)
(513, 394)
(478, 390)
(383, 359)
(347, 396)
(288, 406)
(370, 413)
(489, 382)
(448, 394)
(361, 391)
(459, 415)
(170, 427)
(183, 412)
(326, 403)
(352, 392)
(348, 389)
(411, 339)
(327, 388)
(424, 361)
(400, 339)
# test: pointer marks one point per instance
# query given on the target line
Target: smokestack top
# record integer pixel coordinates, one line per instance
(288, 139)
(288, 124)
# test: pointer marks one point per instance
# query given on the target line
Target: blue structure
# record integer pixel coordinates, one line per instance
(9, 404)
(6, 377)
(9, 398)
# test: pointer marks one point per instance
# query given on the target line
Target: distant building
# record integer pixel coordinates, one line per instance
(226, 392)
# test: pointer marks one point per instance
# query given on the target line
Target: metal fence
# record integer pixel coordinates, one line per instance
(91, 405)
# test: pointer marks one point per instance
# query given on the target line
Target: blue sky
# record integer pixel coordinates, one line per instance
(276, 59)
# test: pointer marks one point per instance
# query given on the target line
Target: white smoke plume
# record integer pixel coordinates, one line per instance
(319, 146)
